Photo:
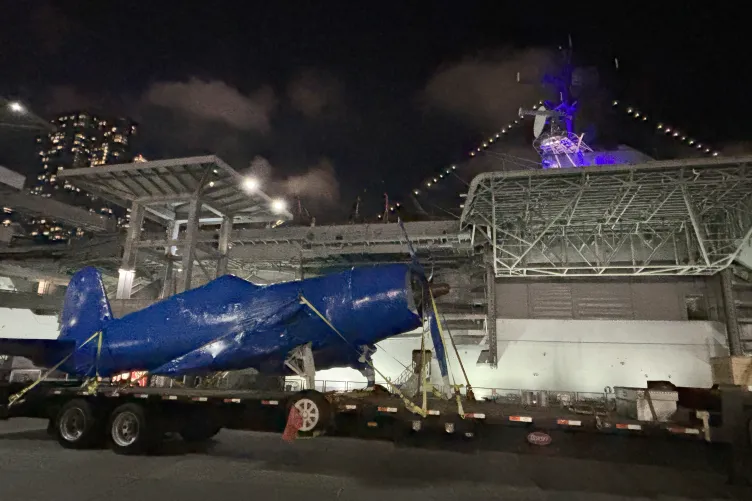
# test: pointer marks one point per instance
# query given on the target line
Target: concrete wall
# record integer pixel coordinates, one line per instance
(18, 323)
(617, 299)
(573, 355)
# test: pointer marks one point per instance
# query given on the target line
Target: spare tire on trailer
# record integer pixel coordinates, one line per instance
(77, 426)
(315, 411)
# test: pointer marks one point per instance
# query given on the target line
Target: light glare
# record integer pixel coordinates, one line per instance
(251, 184)
(16, 107)
(279, 205)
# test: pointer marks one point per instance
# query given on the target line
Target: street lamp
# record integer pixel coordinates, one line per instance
(16, 107)
(279, 205)
(251, 184)
(21, 117)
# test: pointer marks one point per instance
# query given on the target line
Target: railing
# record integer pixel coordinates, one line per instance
(524, 398)
(585, 401)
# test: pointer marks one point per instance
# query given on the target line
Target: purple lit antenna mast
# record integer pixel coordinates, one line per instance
(558, 145)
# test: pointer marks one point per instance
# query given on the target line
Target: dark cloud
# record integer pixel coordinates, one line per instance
(484, 90)
(195, 117)
(215, 100)
(319, 183)
(316, 184)
(50, 27)
(315, 94)
(736, 148)
(61, 98)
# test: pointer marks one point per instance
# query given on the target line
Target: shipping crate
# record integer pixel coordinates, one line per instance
(633, 404)
(735, 370)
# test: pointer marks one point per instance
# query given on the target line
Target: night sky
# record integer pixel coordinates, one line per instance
(328, 99)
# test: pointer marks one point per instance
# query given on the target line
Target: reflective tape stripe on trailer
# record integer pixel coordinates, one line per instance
(349, 407)
(568, 422)
(434, 412)
(521, 419)
(142, 395)
(57, 392)
(475, 415)
(680, 430)
(199, 399)
(169, 397)
(387, 409)
(625, 426)
(232, 400)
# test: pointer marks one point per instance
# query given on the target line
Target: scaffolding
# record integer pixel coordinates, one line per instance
(188, 192)
(683, 217)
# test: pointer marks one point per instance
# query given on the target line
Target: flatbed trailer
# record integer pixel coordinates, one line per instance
(134, 419)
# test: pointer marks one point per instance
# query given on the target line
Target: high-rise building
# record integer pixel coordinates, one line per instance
(80, 140)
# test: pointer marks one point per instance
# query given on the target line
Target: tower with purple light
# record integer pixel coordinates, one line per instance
(555, 139)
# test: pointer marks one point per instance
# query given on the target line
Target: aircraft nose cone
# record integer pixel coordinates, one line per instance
(439, 290)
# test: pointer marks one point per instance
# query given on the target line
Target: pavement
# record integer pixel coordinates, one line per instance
(245, 465)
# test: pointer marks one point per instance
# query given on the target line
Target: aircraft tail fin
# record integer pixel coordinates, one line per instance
(85, 312)
(85, 309)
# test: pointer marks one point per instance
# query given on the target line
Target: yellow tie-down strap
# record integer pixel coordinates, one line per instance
(408, 404)
(17, 396)
(455, 386)
(423, 412)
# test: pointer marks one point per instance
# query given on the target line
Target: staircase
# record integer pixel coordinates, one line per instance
(742, 287)
(409, 381)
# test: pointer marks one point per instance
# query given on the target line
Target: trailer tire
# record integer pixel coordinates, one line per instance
(77, 426)
(315, 411)
(133, 430)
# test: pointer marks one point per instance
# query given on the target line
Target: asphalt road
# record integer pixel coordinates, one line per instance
(242, 465)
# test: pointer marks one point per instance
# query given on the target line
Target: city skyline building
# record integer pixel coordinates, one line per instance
(81, 139)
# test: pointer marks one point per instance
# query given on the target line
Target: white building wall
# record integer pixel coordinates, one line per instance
(534, 354)
(17, 323)
(571, 355)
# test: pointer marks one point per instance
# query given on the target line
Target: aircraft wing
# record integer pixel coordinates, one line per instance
(235, 344)
(41, 352)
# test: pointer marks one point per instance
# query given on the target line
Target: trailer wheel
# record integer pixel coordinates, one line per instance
(314, 409)
(77, 426)
(133, 430)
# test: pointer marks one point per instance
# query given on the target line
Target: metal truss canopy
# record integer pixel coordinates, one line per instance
(165, 188)
(334, 246)
(32, 205)
(684, 217)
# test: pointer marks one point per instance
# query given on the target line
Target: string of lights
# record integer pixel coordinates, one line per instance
(632, 111)
(487, 143)
(450, 170)
(668, 130)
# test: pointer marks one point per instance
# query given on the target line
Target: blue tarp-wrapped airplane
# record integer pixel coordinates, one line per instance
(229, 324)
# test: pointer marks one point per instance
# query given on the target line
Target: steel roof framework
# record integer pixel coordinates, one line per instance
(685, 217)
(165, 188)
(191, 191)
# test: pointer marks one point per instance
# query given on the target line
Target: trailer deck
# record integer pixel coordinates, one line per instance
(375, 409)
